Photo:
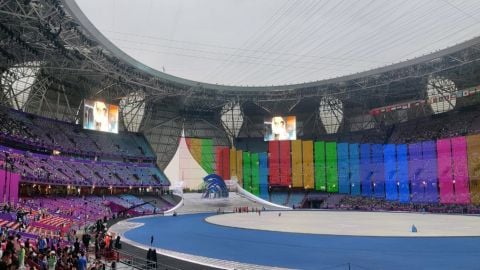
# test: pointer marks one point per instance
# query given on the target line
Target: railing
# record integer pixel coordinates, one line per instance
(137, 262)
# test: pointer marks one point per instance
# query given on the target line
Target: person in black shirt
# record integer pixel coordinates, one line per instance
(7, 261)
(86, 240)
(10, 247)
(76, 246)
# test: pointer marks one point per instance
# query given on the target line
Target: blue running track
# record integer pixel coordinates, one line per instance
(192, 234)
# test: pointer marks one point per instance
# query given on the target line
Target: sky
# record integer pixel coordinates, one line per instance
(278, 42)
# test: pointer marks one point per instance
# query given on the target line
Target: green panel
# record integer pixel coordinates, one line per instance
(207, 155)
(331, 164)
(255, 175)
(247, 172)
(320, 177)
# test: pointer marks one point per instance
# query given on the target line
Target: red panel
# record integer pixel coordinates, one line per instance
(274, 162)
(226, 162)
(285, 164)
(219, 161)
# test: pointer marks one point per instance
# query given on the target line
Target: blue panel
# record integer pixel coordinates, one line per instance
(354, 161)
(263, 168)
(264, 192)
(402, 173)
(343, 168)
(378, 175)
(365, 170)
(429, 149)
(415, 166)
(390, 163)
(263, 175)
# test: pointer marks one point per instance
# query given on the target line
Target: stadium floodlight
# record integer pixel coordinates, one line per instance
(232, 120)
(441, 93)
(17, 83)
(132, 108)
(331, 113)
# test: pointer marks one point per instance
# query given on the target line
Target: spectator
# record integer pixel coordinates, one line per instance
(51, 260)
(82, 262)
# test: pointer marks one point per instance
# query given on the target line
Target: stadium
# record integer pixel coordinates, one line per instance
(224, 134)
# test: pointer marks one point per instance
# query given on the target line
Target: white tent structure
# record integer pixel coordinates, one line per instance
(183, 170)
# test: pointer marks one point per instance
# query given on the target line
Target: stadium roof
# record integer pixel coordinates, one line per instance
(73, 60)
(277, 42)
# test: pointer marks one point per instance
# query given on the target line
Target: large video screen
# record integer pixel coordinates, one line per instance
(100, 116)
(280, 128)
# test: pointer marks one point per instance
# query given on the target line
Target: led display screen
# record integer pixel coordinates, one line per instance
(100, 116)
(280, 128)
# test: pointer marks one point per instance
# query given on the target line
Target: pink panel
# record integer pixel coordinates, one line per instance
(2, 184)
(460, 170)
(7, 187)
(14, 182)
(445, 174)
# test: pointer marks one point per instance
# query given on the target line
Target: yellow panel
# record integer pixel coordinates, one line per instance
(473, 150)
(233, 162)
(308, 174)
(297, 178)
(240, 167)
(196, 149)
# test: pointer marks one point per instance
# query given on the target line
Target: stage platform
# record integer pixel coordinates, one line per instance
(354, 223)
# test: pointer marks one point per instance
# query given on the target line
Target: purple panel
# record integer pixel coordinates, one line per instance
(3, 176)
(430, 171)
(460, 170)
(402, 170)
(415, 168)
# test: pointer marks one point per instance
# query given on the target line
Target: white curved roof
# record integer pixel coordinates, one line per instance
(279, 42)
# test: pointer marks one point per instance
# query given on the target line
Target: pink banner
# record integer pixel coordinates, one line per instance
(7, 187)
(460, 170)
(444, 168)
(14, 185)
(3, 177)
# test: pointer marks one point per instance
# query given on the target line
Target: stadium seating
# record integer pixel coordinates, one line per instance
(48, 134)
(133, 200)
(279, 197)
(38, 168)
(295, 198)
(85, 158)
(60, 214)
